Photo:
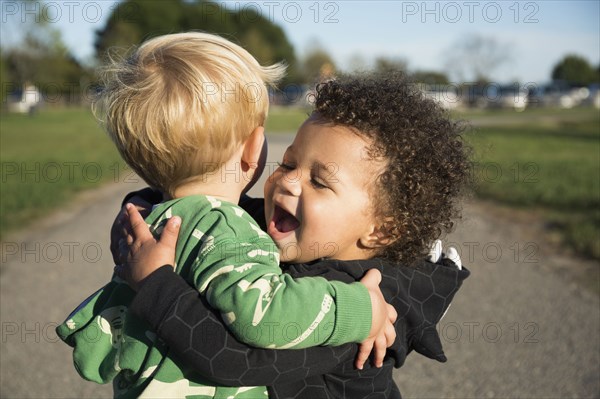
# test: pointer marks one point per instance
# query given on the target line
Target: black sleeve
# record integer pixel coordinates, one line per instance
(195, 333)
(149, 194)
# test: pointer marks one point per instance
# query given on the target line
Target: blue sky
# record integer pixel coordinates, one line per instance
(537, 33)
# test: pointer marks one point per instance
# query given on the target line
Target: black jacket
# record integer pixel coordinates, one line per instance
(420, 293)
(194, 332)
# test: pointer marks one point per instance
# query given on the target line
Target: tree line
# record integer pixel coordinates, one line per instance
(42, 58)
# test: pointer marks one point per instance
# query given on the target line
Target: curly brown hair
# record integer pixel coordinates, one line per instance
(427, 160)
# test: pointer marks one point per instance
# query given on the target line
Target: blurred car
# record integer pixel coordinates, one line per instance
(290, 95)
(510, 96)
(445, 95)
(593, 99)
(561, 96)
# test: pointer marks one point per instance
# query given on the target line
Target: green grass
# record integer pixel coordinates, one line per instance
(285, 120)
(525, 116)
(48, 157)
(553, 167)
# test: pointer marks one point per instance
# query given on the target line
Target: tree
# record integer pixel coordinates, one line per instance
(134, 21)
(42, 59)
(5, 80)
(430, 77)
(387, 65)
(475, 57)
(357, 63)
(317, 65)
(575, 71)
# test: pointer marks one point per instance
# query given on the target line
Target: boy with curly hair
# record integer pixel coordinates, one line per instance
(372, 176)
(184, 111)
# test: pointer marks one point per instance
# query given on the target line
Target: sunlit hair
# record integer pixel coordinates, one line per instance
(427, 161)
(179, 105)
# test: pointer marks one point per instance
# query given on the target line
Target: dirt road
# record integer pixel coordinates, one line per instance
(522, 326)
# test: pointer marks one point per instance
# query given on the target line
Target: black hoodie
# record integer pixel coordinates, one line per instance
(196, 337)
(420, 293)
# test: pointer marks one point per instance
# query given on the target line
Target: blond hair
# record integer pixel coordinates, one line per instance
(180, 105)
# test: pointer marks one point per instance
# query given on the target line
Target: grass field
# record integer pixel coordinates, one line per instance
(285, 120)
(47, 158)
(547, 160)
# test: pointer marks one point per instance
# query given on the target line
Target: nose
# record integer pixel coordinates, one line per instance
(290, 182)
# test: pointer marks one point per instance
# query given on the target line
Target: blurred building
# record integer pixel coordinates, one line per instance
(25, 100)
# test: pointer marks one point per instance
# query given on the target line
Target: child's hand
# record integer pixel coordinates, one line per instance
(145, 253)
(383, 333)
(119, 229)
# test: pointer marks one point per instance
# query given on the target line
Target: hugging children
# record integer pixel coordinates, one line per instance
(370, 180)
(165, 123)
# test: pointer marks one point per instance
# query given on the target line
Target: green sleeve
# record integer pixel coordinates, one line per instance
(353, 313)
(266, 308)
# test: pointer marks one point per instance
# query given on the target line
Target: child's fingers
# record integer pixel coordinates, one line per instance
(117, 234)
(143, 207)
(364, 350)
(390, 330)
(392, 313)
(121, 230)
(139, 228)
(372, 278)
(122, 251)
(170, 232)
(390, 335)
(129, 235)
(380, 348)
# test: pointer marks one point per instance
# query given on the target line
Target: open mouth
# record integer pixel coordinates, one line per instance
(282, 223)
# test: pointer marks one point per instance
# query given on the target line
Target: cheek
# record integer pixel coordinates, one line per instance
(318, 212)
(349, 213)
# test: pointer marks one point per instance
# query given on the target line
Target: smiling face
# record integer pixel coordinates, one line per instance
(317, 203)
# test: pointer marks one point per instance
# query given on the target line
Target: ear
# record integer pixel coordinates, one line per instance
(378, 235)
(253, 149)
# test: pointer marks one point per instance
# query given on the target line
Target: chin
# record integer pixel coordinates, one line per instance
(289, 253)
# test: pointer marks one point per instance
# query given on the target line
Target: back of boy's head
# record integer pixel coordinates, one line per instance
(180, 105)
(427, 163)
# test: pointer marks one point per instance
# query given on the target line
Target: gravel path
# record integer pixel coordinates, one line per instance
(522, 326)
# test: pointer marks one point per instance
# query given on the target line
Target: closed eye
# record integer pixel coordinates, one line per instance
(317, 185)
(285, 166)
